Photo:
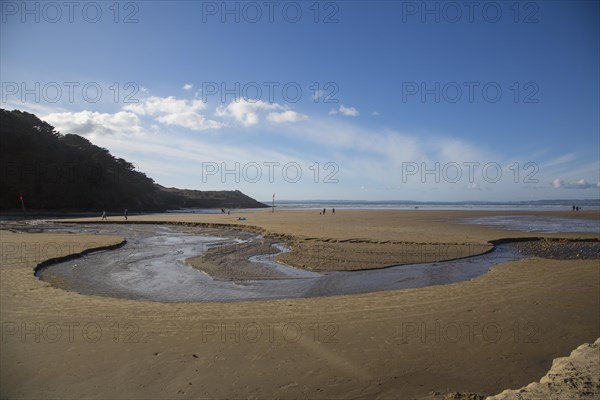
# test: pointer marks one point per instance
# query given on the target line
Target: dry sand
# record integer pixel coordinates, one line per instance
(499, 331)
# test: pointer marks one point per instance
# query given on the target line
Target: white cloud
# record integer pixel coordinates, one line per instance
(165, 105)
(190, 120)
(348, 111)
(248, 112)
(243, 111)
(286, 116)
(188, 86)
(173, 111)
(367, 157)
(94, 124)
(580, 184)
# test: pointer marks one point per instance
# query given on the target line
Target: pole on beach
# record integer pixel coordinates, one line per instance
(273, 203)
(22, 204)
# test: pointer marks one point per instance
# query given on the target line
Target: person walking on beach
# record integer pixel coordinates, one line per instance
(323, 211)
(125, 214)
(333, 211)
(103, 215)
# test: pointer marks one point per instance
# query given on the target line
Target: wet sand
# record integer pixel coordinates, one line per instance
(155, 265)
(353, 240)
(231, 261)
(499, 331)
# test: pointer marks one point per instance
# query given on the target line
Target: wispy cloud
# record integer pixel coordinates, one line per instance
(561, 160)
(150, 133)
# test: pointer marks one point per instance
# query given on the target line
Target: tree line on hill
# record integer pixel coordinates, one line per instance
(46, 170)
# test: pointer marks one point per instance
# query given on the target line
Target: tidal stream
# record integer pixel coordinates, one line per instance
(151, 266)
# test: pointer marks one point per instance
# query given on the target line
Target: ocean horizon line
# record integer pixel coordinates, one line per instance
(548, 201)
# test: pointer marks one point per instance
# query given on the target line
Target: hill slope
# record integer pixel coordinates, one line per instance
(68, 172)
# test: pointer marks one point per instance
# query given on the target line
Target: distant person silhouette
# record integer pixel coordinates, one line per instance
(323, 211)
(333, 211)
(103, 215)
(573, 208)
(577, 208)
(125, 214)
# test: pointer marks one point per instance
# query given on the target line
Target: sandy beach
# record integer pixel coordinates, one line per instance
(501, 330)
(354, 239)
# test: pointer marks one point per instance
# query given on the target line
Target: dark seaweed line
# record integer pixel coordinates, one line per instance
(38, 268)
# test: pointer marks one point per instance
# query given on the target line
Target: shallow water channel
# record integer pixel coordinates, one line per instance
(151, 266)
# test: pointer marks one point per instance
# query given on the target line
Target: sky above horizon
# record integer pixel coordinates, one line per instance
(354, 100)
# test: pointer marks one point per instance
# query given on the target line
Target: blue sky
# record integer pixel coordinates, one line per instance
(388, 100)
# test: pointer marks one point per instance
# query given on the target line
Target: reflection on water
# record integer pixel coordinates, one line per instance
(536, 223)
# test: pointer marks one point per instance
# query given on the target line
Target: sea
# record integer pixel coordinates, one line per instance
(539, 205)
